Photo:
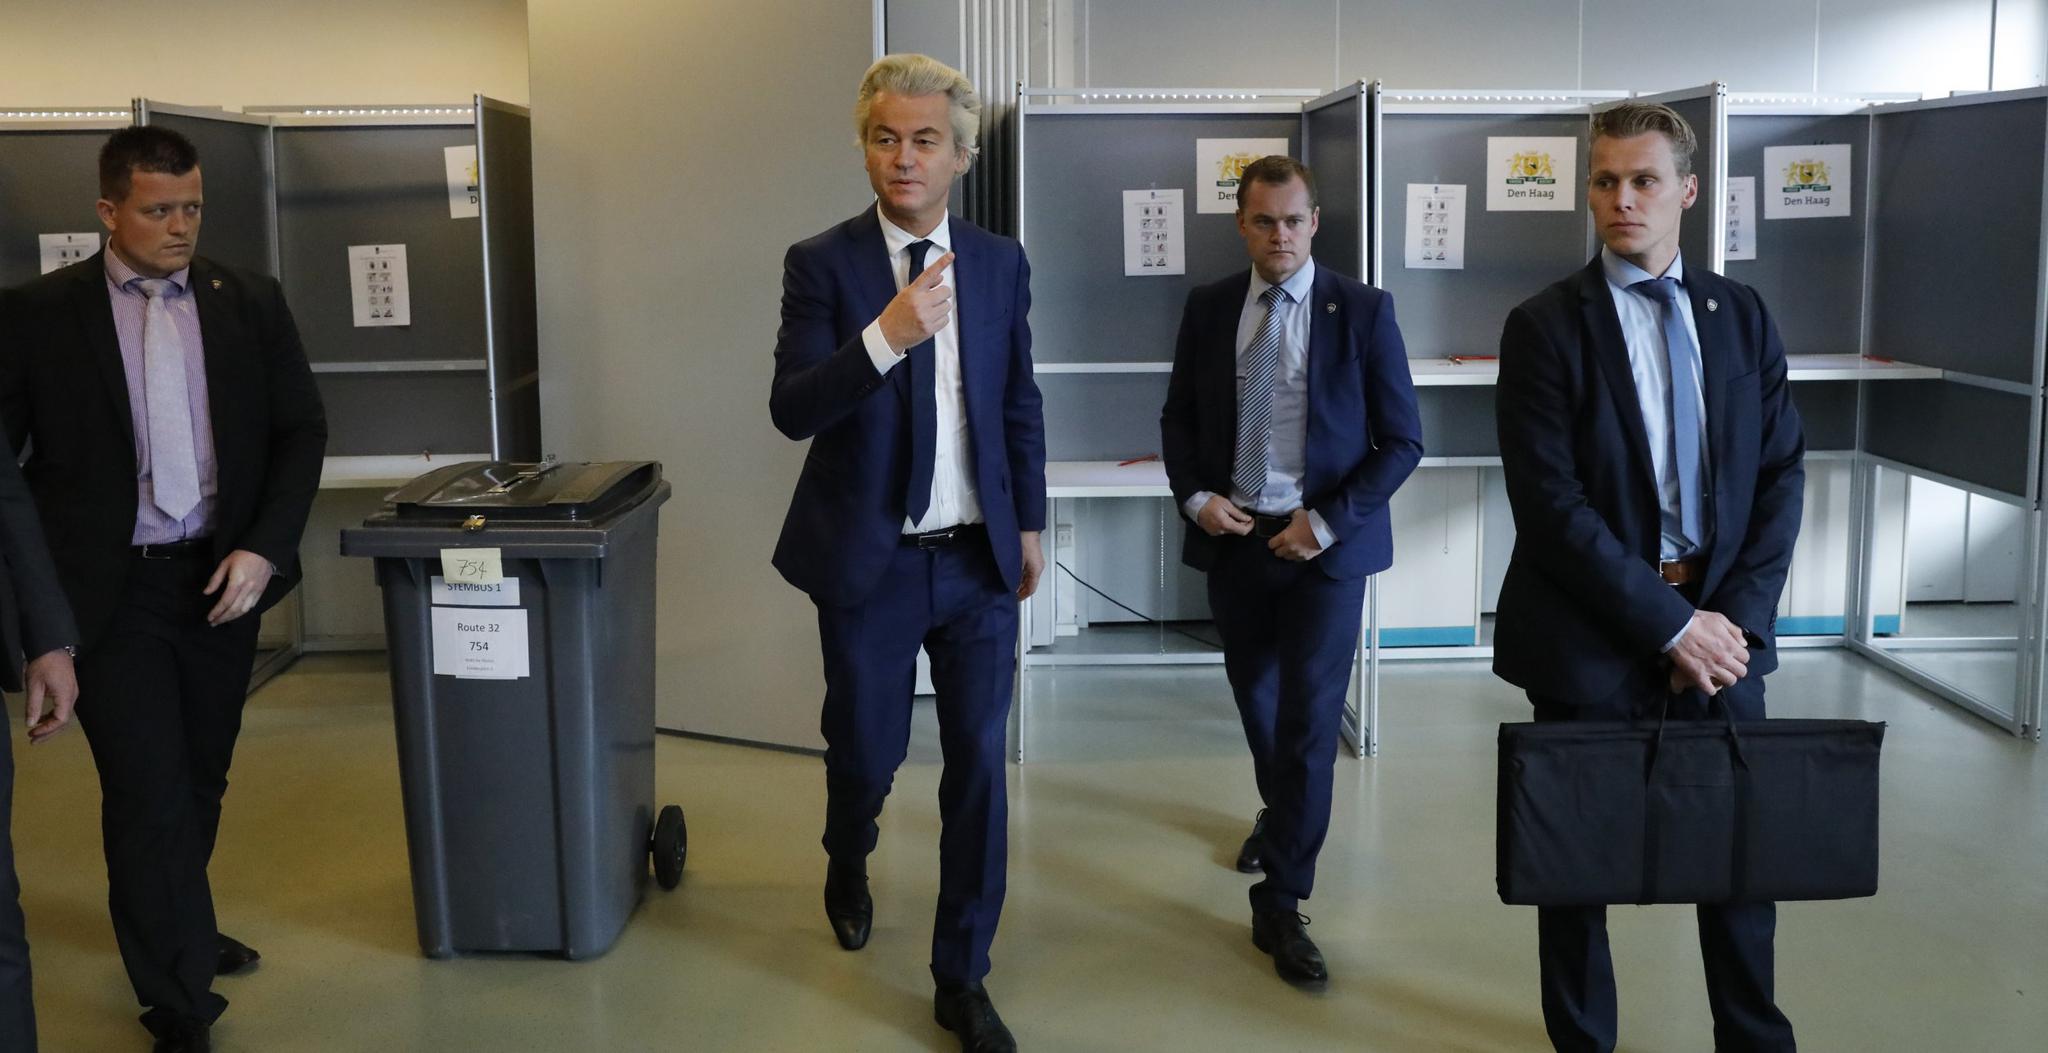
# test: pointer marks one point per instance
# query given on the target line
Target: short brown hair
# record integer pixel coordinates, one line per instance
(1276, 170)
(1631, 119)
(145, 147)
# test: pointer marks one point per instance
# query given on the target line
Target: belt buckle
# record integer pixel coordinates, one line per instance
(153, 551)
(937, 538)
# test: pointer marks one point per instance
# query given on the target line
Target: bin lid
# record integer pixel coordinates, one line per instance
(505, 490)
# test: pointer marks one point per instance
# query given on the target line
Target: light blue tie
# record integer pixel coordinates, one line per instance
(1683, 360)
(173, 463)
(1255, 399)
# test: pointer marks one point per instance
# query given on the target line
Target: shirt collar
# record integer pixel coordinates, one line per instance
(1297, 287)
(123, 275)
(1621, 273)
(898, 239)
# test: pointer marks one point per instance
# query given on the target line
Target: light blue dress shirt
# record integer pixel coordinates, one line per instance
(1287, 430)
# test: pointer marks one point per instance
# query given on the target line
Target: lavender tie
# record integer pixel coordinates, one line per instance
(173, 466)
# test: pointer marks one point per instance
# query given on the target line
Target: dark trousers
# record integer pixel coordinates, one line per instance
(17, 1008)
(953, 601)
(1289, 635)
(1736, 939)
(160, 698)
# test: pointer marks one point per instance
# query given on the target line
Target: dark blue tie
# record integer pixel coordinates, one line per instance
(924, 409)
(1682, 359)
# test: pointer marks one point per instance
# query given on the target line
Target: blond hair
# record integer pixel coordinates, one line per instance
(912, 74)
(1631, 119)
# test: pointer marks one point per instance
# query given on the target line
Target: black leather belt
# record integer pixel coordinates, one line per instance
(190, 548)
(951, 535)
(1270, 526)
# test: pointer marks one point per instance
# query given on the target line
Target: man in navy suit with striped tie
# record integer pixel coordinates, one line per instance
(1290, 420)
(916, 519)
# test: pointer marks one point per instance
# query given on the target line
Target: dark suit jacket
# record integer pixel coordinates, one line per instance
(64, 397)
(1364, 434)
(34, 617)
(1583, 604)
(847, 513)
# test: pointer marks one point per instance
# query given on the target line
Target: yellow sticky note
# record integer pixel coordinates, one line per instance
(477, 566)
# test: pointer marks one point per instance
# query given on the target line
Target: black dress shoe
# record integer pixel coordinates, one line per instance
(185, 1036)
(1250, 858)
(848, 905)
(235, 956)
(1284, 935)
(967, 1012)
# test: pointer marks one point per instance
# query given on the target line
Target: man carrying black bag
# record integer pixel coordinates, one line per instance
(1652, 457)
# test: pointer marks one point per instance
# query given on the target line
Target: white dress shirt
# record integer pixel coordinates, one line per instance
(1287, 427)
(1642, 328)
(954, 500)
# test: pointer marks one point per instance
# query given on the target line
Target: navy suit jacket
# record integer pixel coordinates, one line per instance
(847, 514)
(1364, 434)
(1583, 604)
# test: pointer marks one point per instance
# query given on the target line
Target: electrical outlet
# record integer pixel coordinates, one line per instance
(1063, 535)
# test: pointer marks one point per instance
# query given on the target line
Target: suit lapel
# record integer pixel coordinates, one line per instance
(1228, 308)
(103, 342)
(219, 350)
(1610, 351)
(972, 292)
(1718, 340)
(1324, 349)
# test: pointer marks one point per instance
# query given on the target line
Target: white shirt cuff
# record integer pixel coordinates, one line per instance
(1195, 504)
(1324, 535)
(1682, 630)
(879, 352)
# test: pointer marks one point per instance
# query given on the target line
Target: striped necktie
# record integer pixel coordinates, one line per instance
(173, 463)
(1255, 399)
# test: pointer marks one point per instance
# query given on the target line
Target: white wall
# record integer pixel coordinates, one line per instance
(237, 53)
(679, 149)
(1926, 46)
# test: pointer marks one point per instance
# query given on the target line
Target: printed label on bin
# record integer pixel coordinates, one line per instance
(480, 644)
(481, 566)
(471, 594)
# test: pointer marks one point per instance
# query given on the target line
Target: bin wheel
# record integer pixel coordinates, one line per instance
(670, 845)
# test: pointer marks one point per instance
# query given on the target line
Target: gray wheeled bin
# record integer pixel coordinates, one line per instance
(528, 773)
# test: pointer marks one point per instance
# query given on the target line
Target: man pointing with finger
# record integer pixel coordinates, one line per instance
(174, 439)
(905, 357)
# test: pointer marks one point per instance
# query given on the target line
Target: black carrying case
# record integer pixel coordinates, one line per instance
(1687, 811)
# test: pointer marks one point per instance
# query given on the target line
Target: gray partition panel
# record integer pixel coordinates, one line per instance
(1336, 153)
(1696, 232)
(1970, 433)
(1956, 249)
(48, 183)
(507, 162)
(1101, 416)
(234, 158)
(1808, 271)
(372, 414)
(1509, 256)
(1458, 421)
(1076, 168)
(1827, 410)
(338, 187)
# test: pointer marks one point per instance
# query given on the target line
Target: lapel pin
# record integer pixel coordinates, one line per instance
(216, 287)
(1713, 305)
(1330, 308)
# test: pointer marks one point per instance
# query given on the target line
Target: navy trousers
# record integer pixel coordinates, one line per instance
(1736, 940)
(953, 601)
(1289, 634)
(17, 1008)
